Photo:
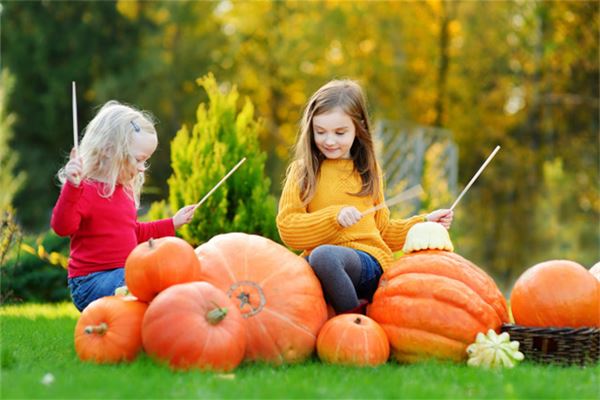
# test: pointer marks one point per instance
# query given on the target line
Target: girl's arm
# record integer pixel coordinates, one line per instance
(154, 229)
(66, 215)
(393, 231)
(300, 229)
(164, 227)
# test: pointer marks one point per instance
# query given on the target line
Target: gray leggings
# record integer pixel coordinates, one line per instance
(339, 269)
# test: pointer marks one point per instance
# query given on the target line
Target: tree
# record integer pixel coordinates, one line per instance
(221, 136)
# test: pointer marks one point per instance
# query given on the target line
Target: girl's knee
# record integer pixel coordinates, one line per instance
(322, 256)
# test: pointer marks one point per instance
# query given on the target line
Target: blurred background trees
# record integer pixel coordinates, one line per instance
(521, 74)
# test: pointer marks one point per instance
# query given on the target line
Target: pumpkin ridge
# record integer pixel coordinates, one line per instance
(272, 340)
(300, 328)
(247, 248)
(366, 341)
(432, 323)
(340, 342)
(453, 268)
(206, 342)
(224, 261)
(425, 336)
(458, 265)
(422, 286)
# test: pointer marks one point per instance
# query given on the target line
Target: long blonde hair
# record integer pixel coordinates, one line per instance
(347, 95)
(105, 148)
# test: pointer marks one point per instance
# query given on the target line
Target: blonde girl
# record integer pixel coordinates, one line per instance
(100, 194)
(334, 177)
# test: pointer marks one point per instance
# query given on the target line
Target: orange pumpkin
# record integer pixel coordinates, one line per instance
(556, 293)
(276, 291)
(159, 263)
(195, 325)
(353, 339)
(109, 330)
(432, 303)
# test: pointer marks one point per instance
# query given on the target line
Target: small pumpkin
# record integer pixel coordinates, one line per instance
(556, 293)
(109, 330)
(158, 264)
(195, 325)
(353, 339)
(276, 291)
(492, 350)
(432, 302)
(595, 270)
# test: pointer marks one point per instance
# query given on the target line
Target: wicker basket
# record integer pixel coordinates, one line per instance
(566, 346)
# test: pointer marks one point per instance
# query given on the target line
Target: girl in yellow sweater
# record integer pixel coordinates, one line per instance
(333, 178)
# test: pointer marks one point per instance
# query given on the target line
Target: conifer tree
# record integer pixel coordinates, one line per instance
(202, 155)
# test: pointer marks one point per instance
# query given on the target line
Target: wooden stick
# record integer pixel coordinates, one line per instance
(475, 176)
(405, 195)
(221, 182)
(75, 129)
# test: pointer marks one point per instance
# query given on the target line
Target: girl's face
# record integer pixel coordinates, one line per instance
(142, 147)
(334, 133)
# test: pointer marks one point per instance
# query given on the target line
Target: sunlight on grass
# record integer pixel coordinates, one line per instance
(33, 311)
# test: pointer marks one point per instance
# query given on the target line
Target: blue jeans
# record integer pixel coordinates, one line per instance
(369, 277)
(85, 289)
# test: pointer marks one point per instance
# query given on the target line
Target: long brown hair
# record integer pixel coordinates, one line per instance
(349, 97)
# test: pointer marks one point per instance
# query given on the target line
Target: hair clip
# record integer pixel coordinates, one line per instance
(136, 127)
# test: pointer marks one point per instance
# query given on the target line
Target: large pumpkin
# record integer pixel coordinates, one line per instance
(353, 339)
(109, 330)
(433, 302)
(159, 263)
(275, 290)
(556, 293)
(195, 325)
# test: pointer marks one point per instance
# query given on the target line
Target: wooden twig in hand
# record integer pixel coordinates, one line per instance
(75, 129)
(405, 195)
(475, 177)
(221, 182)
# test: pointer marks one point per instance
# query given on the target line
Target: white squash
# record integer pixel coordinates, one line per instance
(493, 350)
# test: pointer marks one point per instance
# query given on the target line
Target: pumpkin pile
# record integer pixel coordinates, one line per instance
(236, 297)
(244, 297)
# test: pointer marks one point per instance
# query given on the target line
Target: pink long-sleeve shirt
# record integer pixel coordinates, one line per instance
(103, 230)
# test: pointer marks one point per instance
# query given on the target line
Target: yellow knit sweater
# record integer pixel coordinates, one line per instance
(306, 227)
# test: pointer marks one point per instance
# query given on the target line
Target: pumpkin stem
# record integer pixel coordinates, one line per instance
(357, 321)
(99, 329)
(151, 243)
(216, 315)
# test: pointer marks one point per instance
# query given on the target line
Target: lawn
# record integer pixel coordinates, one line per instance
(37, 340)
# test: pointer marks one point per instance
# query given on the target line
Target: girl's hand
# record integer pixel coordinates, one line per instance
(443, 216)
(184, 215)
(348, 216)
(74, 169)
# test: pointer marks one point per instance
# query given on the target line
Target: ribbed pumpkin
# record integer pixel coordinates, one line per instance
(159, 263)
(109, 330)
(195, 325)
(275, 290)
(353, 339)
(432, 302)
(556, 293)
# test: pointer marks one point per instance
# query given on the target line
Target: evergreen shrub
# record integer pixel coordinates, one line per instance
(201, 156)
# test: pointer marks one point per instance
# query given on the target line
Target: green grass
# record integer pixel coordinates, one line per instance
(38, 339)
